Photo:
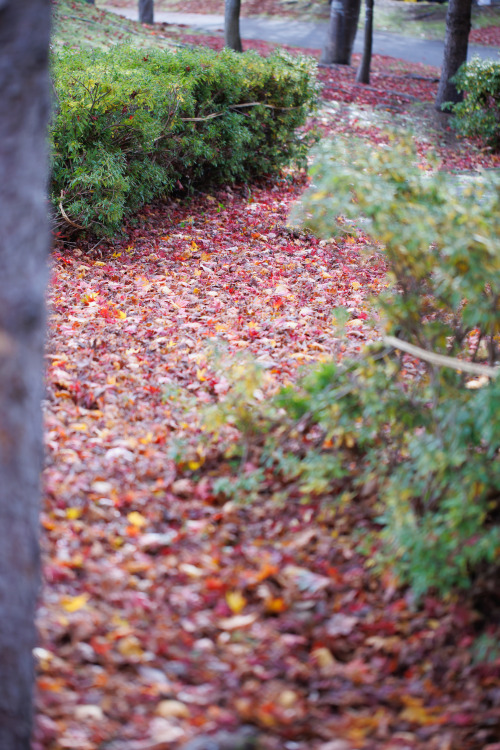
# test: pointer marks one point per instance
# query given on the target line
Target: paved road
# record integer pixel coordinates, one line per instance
(313, 35)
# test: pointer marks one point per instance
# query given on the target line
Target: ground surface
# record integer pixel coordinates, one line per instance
(411, 19)
(169, 610)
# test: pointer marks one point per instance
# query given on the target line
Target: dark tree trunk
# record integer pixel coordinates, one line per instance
(455, 49)
(24, 109)
(91, 2)
(344, 16)
(232, 37)
(146, 11)
(363, 75)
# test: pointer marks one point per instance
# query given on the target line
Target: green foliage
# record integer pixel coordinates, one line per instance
(440, 234)
(479, 113)
(439, 434)
(429, 443)
(129, 127)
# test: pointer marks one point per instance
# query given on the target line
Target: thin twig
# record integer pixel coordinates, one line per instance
(66, 217)
(234, 106)
(441, 360)
(260, 104)
(201, 119)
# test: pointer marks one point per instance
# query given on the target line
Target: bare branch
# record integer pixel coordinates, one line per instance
(441, 360)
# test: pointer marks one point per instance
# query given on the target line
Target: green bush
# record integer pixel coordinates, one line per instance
(479, 112)
(435, 439)
(130, 126)
(429, 443)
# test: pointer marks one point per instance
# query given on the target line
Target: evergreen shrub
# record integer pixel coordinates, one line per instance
(479, 112)
(130, 126)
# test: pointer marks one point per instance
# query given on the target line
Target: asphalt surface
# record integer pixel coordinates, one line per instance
(313, 35)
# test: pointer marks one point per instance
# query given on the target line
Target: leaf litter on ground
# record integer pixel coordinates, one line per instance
(168, 612)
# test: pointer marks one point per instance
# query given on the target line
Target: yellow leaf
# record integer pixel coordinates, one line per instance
(288, 698)
(136, 519)
(275, 605)
(235, 601)
(323, 657)
(122, 315)
(169, 709)
(130, 646)
(422, 715)
(355, 284)
(73, 513)
(74, 603)
(80, 426)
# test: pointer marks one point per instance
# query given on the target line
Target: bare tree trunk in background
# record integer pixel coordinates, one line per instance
(363, 75)
(455, 49)
(232, 37)
(24, 241)
(146, 11)
(344, 16)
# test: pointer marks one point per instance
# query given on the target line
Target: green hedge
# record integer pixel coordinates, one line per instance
(130, 126)
(479, 113)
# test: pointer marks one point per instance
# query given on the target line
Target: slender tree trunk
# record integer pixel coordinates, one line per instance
(363, 75)
(232, 37)
(344, 16)
(146, 11)
(24, 109)
(455, 49)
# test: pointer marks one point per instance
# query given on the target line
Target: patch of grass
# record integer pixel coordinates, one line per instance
(78, 25)
(425, 20)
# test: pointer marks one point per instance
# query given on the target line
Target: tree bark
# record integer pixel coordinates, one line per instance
(344, 16)
(232, 37)
(146, 11)
(363, 75)
(24, 240)
(455, 49)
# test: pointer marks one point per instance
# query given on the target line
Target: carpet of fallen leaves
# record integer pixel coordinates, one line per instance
(489, 36)
(169, 612)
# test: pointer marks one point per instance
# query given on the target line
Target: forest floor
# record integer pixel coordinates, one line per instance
(169, 609)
